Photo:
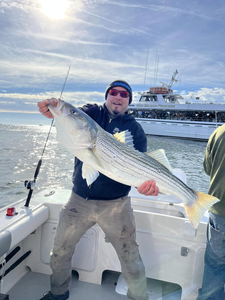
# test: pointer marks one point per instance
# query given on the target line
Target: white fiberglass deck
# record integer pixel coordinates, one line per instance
(33, 285)
(171, 249)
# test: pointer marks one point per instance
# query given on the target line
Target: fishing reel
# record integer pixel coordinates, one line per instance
(29, 184)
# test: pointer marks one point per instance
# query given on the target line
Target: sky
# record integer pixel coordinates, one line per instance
(95, 42)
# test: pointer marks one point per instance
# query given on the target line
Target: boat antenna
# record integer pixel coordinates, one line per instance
(156, 69)
(146, 70)
(29, 184)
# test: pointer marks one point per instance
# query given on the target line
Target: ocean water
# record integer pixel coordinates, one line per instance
(21, 148)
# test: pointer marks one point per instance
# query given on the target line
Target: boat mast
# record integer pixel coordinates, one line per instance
(156, 69)
(146, 70)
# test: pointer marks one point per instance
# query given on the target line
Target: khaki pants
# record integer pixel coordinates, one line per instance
(117, 221)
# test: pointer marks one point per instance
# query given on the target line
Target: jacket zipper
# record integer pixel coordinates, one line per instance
(89, 188)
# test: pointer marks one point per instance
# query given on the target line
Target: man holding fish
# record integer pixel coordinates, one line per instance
(97, 198)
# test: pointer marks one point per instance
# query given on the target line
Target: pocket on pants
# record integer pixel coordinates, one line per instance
(216, 241)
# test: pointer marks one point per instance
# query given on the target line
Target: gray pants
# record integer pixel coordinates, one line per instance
(117, 221)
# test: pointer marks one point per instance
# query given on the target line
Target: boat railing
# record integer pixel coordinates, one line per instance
(197, 116)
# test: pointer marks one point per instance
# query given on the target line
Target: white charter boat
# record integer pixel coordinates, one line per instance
(162, 113)
(171, 248)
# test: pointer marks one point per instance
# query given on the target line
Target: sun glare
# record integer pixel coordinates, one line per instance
(54, 9)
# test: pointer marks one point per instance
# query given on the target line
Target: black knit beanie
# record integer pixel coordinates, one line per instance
(121, 83)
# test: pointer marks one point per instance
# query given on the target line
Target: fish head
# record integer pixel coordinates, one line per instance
(75, 129)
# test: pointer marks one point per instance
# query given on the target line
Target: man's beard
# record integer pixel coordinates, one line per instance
(115, 112)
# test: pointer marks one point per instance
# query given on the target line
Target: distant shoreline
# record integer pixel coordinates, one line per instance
(16, 118)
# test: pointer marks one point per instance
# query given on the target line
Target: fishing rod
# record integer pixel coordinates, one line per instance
(29, 184)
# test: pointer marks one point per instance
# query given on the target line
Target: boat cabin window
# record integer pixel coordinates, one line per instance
(221, 117)
(169, 98)
(148, 98)
(199, 116)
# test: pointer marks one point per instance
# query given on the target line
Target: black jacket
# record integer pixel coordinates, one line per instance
(104, 188)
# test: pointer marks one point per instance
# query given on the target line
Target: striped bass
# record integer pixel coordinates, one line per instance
(115, 158)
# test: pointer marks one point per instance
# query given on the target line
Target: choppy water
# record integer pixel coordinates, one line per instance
(21, 147)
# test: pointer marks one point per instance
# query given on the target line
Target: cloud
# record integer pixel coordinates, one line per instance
(76, 41)
(107, 27)
(215, 95)
(117, 23)
(28, 102)
(7, 102)
(23, 6)
(167, 9)
(18, 111)
(105, 40)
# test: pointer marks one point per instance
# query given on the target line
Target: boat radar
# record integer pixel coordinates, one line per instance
(172, 81)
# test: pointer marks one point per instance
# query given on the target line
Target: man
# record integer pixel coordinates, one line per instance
(213, 286)
(105, 202)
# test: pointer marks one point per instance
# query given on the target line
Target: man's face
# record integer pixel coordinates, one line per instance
(117, 105)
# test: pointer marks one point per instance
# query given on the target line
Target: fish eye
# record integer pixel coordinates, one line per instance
(73, 112)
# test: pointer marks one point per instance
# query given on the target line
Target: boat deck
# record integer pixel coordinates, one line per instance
(33, 285)
(171, 249)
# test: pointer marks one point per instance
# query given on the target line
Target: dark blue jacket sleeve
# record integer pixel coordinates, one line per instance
(90, 109)
(140, 140)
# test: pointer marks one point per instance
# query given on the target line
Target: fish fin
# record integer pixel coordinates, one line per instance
(89, 174)
(125, 137)
(180, 174)
(160, 156)
(197, 210)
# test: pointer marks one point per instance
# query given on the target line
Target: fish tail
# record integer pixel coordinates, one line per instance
(197, 210)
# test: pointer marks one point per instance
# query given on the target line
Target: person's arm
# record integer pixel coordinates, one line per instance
(206, 163)
(139, 138)
(43, 107)
(209, 153)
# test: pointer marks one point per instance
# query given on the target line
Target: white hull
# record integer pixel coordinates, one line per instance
(181, 129)
(165, 115)
(167, 242)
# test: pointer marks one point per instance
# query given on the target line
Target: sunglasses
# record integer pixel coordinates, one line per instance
(114, 92)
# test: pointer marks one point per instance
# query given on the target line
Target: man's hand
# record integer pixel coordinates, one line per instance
(148, 188)
(43, 107)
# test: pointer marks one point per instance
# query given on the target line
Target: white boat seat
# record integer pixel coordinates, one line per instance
(5, 242)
